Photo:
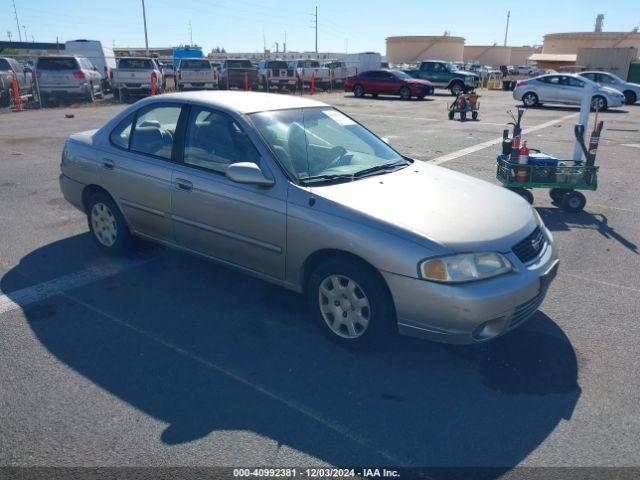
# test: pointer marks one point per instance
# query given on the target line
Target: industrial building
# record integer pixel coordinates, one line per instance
(413, 49)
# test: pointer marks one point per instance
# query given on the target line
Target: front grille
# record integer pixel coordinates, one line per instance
(526, 310)
(529, 248)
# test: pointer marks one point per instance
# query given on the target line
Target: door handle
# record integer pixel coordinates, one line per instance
(108, 164)
(185, 185)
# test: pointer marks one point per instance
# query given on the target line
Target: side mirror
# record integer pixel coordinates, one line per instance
(249, 173)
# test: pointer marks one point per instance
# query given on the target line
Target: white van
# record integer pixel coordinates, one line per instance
(100, 56)
(364, 61)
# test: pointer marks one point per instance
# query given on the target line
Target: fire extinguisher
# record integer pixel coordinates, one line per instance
(523, 161)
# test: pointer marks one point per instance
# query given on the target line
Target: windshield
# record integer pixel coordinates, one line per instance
(312, 143)
(57, 63)
(401, 75)
(282, 65)
(238, 63)
(194, 64)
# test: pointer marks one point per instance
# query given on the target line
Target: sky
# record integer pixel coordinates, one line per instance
(343, 26)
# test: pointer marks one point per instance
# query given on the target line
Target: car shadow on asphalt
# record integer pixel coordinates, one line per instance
(558, 220)
(206, 350)
(565, 108)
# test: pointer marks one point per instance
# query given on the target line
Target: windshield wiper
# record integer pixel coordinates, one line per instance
(385, 167)
(328, 177)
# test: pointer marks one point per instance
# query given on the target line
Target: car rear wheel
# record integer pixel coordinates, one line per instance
(107, 225)
(530, 99)
(89, 94)
(630, 97)
(599, 103)
(405, 93)
(351, 303)
(358, 91)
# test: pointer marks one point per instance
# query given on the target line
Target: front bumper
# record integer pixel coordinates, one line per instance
(477, 311)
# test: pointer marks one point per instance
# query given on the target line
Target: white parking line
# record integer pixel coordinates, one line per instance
(26, 296)
(489, 143)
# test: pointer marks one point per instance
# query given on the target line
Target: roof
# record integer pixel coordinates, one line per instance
(246, 102)
(554, 57)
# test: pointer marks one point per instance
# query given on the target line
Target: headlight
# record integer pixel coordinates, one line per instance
(465, 267)
(537, 216)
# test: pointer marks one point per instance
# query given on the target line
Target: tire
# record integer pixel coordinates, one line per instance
(356, 282)
(556, 194)
(524, 193)
(405, 93)
(421, 97)
(463, 116)
(530, 100)
(630, 97)
(374, 95)
(456, 88)
(358, 91)
(573, 201)
(107, 225)
(474, 115)
(451, 114)
(89, 95)
(598, 102)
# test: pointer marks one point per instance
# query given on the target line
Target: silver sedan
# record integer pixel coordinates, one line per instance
(631, 91)
(299, 194)
(566, 89)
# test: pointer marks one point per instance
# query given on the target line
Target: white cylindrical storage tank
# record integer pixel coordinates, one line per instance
(568, 43)
(416, 48)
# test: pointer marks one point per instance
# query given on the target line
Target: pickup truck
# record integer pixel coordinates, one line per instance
(132, 77)
(232, 74)
(339, 71)
(10, 68)
(275, 73)
(446, 75)
(307, 69)
(196, 74)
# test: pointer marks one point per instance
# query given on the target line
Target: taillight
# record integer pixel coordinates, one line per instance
(179, 74)
(111, 74)
(215, 74)
(78, 74)
(105, 69)
(520, 83)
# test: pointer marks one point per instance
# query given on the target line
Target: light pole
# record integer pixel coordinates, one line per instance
(144, 19)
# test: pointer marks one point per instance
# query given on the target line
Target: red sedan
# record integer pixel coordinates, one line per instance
(388, 82)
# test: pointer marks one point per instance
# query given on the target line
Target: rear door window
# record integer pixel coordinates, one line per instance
(155, 130)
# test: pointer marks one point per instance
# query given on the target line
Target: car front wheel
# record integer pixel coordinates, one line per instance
(107, 225)
(358, 91)
(405, 93)
(351, 303)
(599, 103)
(630, 97)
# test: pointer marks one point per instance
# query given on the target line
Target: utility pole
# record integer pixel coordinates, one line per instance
(144, 19)
(284, 45)
(9, 34)
(26, 39)
(190, 34)
(506, 31)
(316, 15)
(15, 13)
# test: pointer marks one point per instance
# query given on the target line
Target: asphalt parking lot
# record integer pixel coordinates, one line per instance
(165, 359)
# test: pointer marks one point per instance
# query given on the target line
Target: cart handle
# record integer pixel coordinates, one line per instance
(578, 131)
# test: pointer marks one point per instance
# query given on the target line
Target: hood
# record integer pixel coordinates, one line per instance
(464, 73)
(611, 91)
(454, 210)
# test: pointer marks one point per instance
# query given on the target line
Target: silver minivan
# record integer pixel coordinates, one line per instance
(68, 76)
(299, 194)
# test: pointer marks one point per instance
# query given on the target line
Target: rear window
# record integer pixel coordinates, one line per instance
(4, 65)
(136, 63)
(313, 64)
(195, 64)
(57, 63)
(277, 65)
(239, 63)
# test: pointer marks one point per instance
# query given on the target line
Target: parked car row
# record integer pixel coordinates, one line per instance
(10, 69)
